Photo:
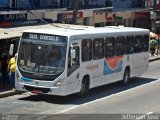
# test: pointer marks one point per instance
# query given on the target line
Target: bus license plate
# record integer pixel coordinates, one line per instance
(36, 91)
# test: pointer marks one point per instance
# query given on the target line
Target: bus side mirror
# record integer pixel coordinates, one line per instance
(73, 53)
(11, 49)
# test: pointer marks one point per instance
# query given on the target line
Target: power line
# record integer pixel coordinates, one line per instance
(42, 19)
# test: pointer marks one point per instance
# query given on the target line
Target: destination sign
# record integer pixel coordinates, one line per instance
(44, 37)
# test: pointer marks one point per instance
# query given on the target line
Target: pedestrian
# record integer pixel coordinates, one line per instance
(4, 69)
(12, 69)
(153, 45)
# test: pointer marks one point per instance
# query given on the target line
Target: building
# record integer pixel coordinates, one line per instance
(89, 12)
(136, 13)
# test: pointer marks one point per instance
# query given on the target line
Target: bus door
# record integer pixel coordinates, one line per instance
(73, 71)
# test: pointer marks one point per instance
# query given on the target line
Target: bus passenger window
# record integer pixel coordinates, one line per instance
(109, 47)
(138, 44)
(129, 45)
(86, 50)
(145, 43)
(98, 48)
(120, 42)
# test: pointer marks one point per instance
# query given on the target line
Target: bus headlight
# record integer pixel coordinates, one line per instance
(58, 83)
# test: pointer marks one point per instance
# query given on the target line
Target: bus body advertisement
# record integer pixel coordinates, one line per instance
(66, 61)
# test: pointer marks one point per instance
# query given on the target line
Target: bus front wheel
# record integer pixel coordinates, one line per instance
(126, 76)
(84, 88)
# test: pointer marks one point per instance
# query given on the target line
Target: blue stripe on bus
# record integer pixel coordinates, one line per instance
(26, 79)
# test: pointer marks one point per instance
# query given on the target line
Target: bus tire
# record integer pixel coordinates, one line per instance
(126, 76)
(84, 87)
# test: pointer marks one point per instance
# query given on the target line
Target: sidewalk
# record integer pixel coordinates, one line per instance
(8, 92)
(154, 58)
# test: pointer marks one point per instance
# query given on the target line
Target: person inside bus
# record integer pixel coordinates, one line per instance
(55, 59)
(98, 50)
(86, 51)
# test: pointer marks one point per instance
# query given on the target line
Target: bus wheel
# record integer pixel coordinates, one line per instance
(126, 76)
(84, 88)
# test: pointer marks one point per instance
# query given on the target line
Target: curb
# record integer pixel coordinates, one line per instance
(154, 59)
(9, 93)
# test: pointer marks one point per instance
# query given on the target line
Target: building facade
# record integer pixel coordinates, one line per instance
(89, 12)
(135, 13)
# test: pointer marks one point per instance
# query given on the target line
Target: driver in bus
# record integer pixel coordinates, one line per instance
(55, 59)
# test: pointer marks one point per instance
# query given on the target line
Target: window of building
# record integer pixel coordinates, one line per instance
(86, 50)
(119, 46)
(109, 47)
(98, 48)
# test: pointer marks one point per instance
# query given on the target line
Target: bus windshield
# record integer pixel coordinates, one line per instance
(41, 53)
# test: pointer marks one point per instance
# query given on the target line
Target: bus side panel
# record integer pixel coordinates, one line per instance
(119, 63)
(97, 72)
(108, 70)
(75, 79)
(141, 62)
(128, 60)
(86, 69)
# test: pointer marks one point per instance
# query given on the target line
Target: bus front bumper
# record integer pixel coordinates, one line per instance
(59, 91)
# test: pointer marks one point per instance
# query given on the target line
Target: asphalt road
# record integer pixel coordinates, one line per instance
(140, 96)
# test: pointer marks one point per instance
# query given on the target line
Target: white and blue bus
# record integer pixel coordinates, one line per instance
(66, 61)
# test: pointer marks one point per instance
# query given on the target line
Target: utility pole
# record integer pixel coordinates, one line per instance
(154, 5)
(153, 16)
(75, 11)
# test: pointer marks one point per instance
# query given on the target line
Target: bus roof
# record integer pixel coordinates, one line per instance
(88, 30)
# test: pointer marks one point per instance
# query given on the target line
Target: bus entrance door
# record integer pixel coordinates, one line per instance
(73, 66)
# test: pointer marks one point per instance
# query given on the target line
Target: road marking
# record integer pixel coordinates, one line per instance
(41, 118)
(68, 109)
(101, 99)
